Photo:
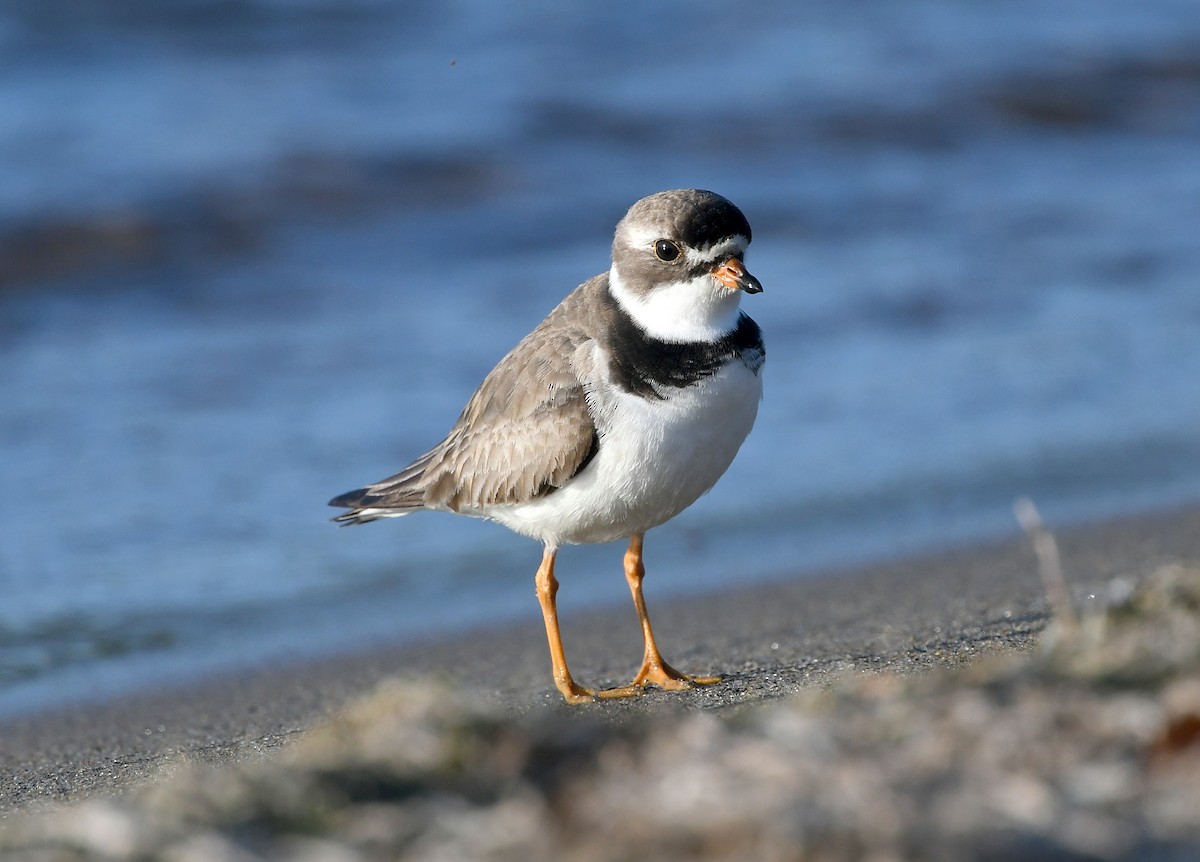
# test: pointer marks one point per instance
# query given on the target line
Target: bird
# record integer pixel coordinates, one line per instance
(618, 411)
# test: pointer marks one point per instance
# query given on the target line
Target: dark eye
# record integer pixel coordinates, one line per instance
(666, 251)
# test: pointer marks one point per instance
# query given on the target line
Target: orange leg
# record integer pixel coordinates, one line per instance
(655, 669)
(547, 588)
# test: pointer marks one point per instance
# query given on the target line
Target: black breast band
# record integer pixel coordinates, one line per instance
(645, 366)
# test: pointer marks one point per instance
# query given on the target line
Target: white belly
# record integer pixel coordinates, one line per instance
(655, 459)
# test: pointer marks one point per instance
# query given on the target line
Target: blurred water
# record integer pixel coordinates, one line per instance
(255, 254)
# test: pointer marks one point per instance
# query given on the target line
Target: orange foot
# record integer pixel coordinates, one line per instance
(657, 673)
(664, 676)
(575, 694)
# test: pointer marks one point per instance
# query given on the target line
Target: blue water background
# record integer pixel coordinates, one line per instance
(255, 254)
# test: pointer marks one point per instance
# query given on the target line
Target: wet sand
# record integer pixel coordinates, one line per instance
(767, 641)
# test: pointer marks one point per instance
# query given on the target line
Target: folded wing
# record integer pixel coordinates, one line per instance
(525, 433)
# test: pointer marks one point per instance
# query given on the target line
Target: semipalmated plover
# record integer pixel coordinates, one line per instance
(614, 415)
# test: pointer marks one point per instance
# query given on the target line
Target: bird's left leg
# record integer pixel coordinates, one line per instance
(655, 669)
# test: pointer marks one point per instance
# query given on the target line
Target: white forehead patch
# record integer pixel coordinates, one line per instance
(698, 309)
(721, 251)
(643, 237)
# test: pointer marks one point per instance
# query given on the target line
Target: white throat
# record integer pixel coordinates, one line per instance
(700, 309)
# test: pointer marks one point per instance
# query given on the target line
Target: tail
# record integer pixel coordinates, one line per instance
(392, 497)
(363, 510)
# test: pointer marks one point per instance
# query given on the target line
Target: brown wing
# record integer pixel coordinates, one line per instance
(525, 432)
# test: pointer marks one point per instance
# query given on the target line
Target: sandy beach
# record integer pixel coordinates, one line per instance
(768, 641)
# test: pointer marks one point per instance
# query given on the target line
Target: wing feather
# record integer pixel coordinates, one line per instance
(525, 433)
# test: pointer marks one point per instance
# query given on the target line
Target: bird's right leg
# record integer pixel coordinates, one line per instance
(547, 588)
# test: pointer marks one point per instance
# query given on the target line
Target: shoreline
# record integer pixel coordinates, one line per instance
(766, 640)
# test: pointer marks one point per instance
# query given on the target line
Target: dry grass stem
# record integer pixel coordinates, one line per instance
(1049, 563)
